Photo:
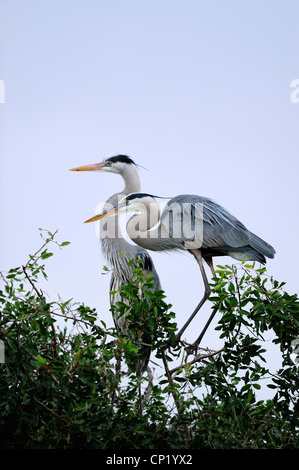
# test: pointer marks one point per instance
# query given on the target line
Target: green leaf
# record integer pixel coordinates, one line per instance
(41, 361)
(45, 254)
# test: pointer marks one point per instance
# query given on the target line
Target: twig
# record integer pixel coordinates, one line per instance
(40, 295)
(197, 358)
(40, 249)
(45, 367)
(52, 412)
(32, 283)
(175, 397)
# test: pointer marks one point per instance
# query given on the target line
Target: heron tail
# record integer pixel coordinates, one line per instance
(262, 249)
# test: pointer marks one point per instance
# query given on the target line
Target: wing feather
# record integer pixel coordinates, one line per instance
(222, 232)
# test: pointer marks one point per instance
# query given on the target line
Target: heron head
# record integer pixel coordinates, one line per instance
(135, 202)
(117, 164)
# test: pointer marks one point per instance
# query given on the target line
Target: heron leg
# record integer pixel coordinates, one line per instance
(197, 342)
(199, 259)
(209, 261)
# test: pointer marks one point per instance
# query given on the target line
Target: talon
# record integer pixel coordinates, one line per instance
(191, 348)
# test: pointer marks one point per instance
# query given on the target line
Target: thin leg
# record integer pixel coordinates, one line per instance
(197, 342)
(197, 254)
(209, 261)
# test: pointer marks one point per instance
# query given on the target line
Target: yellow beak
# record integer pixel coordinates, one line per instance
(109, 213)
(92, 167)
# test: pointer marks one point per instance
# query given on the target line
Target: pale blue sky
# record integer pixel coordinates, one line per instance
(198, 92)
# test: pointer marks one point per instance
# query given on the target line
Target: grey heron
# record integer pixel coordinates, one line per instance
(193, 223)
(117, 251)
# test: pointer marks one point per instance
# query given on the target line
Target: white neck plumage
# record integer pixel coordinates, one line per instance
(140, 225)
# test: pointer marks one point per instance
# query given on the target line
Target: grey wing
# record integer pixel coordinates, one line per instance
(220, 228)
(187, 213)
(219, 231)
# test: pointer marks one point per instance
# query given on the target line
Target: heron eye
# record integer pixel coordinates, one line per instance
(108, 163)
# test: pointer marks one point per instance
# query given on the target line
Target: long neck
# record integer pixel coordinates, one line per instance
(116, 250)
(112, 240)
(138, 227)
(131, 179)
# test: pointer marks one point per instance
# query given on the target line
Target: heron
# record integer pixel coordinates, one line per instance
(117, 251)
(194, 223)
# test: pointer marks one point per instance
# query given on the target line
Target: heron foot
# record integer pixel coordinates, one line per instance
(191, 348)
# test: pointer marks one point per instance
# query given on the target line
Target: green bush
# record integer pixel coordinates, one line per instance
(65, 381)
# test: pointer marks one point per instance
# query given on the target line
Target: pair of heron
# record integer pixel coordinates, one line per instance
(212, 231)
